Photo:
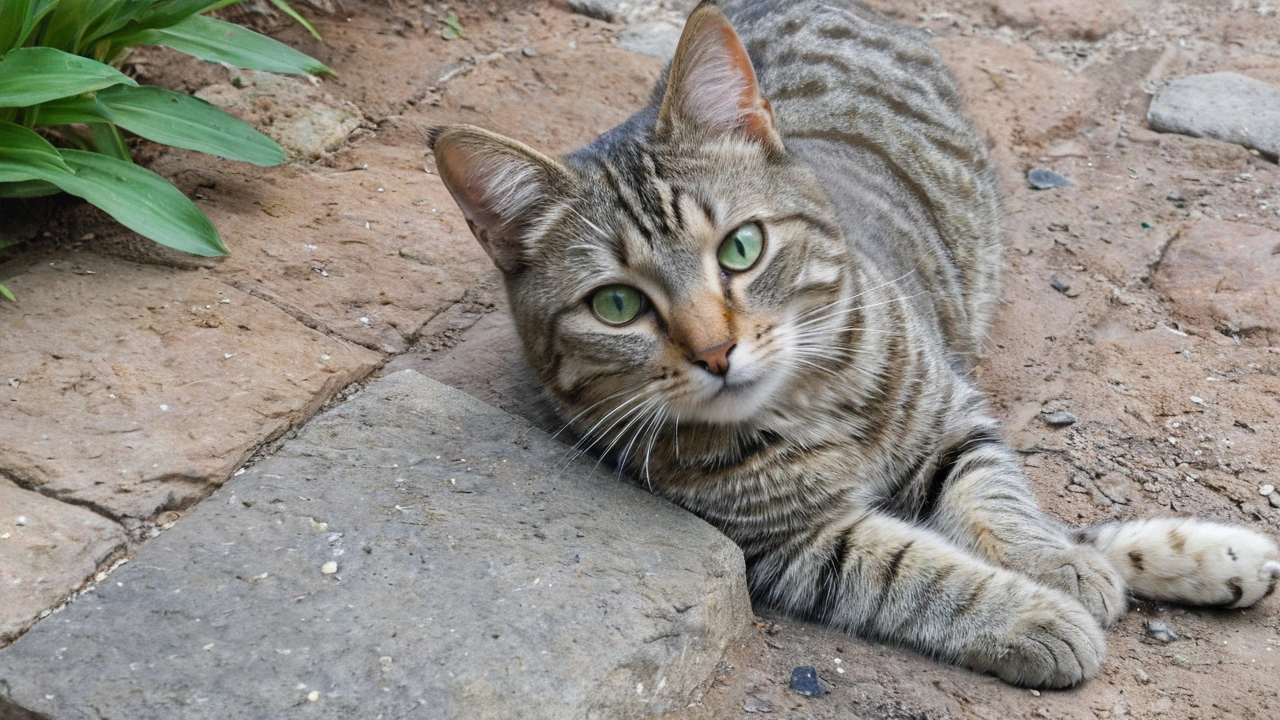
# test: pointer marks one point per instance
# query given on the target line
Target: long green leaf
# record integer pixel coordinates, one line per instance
(138, 198)
(142, 201)
(170, 12)
(28, 189)
(218, 41)
(25, 155)
(173, 119)
(6, 294)
(287, 9)
(69, 22)
(13, 18)
(30, 76)
(108, 141)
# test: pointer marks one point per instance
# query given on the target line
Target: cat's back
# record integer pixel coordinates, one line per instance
(878, 116)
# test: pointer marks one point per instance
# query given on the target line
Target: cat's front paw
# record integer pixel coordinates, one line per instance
(1086, 575)
(1053, 642)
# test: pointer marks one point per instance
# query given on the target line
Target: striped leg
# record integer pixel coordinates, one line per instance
(879, 577)
(980, 500)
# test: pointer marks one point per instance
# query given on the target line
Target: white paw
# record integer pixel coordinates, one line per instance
(1192, 561)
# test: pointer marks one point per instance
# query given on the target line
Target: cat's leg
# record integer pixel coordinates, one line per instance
(1190, 561)
(879, 577)
(979, 499)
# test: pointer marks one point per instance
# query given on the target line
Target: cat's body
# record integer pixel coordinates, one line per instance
(767, 313)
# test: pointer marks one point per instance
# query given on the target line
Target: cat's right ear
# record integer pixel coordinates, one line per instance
(500, 185)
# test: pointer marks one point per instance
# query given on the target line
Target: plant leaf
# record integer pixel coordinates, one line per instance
(28, 189)
(187, 122)
(218, 41)
(6, 294)
(14, 15)
(25, 155)
(142, 201)
(169, 12)
(287, 9)
(30, 76)
(170, 118)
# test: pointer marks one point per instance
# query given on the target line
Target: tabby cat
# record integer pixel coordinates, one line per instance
(767, 310)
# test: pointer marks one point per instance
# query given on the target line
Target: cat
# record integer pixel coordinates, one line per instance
(763, 295)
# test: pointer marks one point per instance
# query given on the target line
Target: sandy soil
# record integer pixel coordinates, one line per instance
(1177, 403)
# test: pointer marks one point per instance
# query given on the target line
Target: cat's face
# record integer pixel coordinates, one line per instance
(694, 272)
(707, 307)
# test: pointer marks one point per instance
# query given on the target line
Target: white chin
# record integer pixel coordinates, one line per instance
(732, 405)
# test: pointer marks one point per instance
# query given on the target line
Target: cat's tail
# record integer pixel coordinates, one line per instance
(1189, 561)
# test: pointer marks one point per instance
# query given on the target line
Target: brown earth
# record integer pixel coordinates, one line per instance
(1161, 336)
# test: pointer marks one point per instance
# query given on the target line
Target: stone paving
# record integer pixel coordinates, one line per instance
(138, 382)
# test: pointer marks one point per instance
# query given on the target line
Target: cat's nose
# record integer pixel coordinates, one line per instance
(715, 360)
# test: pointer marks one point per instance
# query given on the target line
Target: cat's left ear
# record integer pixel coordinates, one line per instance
(501, 186)
(711, 85)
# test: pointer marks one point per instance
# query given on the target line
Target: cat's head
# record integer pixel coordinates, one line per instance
(692, 269)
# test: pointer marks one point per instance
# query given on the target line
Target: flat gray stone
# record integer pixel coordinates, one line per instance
(616, 11)
(471, 578)
(1221, 106)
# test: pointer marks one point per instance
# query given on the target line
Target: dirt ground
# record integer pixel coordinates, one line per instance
(1166, 354)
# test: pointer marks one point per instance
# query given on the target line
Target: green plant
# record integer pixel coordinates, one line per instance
(58, 75)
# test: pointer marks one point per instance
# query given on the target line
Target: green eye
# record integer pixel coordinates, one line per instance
(617, 304)
(742, 248)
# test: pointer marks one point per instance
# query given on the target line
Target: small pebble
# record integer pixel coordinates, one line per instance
(1061, 418)
(1059, 286)
(313, 696)
(804, 680)
(329, 568)
(1043, 179)
(1160, 630)
(1197, 400)
(1266, 489)
(529, 52)
(1142, 676)
(1274, 499)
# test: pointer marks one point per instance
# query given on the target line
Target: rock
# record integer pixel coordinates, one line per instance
(47, 550)
(139, 389)
(541, 591)
(1222, 275)
(655, 39)
(616, 11)
(1075, 19)
(304, 119)
(529, 52)
(804, 680)
(1042, 179)
(1274, 499)
(1221, 106)
(1058, 285)
(1160, 630)
(1266, 490)
(1062, 418)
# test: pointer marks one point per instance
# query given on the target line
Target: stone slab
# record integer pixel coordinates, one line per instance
(137, 389)
(1222, 106)
(1223, 275)
(47, 550)
(476, 574)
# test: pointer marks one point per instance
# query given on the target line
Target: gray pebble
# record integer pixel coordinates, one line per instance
(1160, 630)
(529, 52)
(1043, 179)
(804, 680)
(1058, 285)
(1274, 499)
(1062, 418)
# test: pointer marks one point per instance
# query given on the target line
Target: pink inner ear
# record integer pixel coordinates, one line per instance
(717, 86)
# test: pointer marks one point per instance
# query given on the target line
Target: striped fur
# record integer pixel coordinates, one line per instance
(839, 439)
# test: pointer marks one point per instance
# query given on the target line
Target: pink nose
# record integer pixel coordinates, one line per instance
(715, 360)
